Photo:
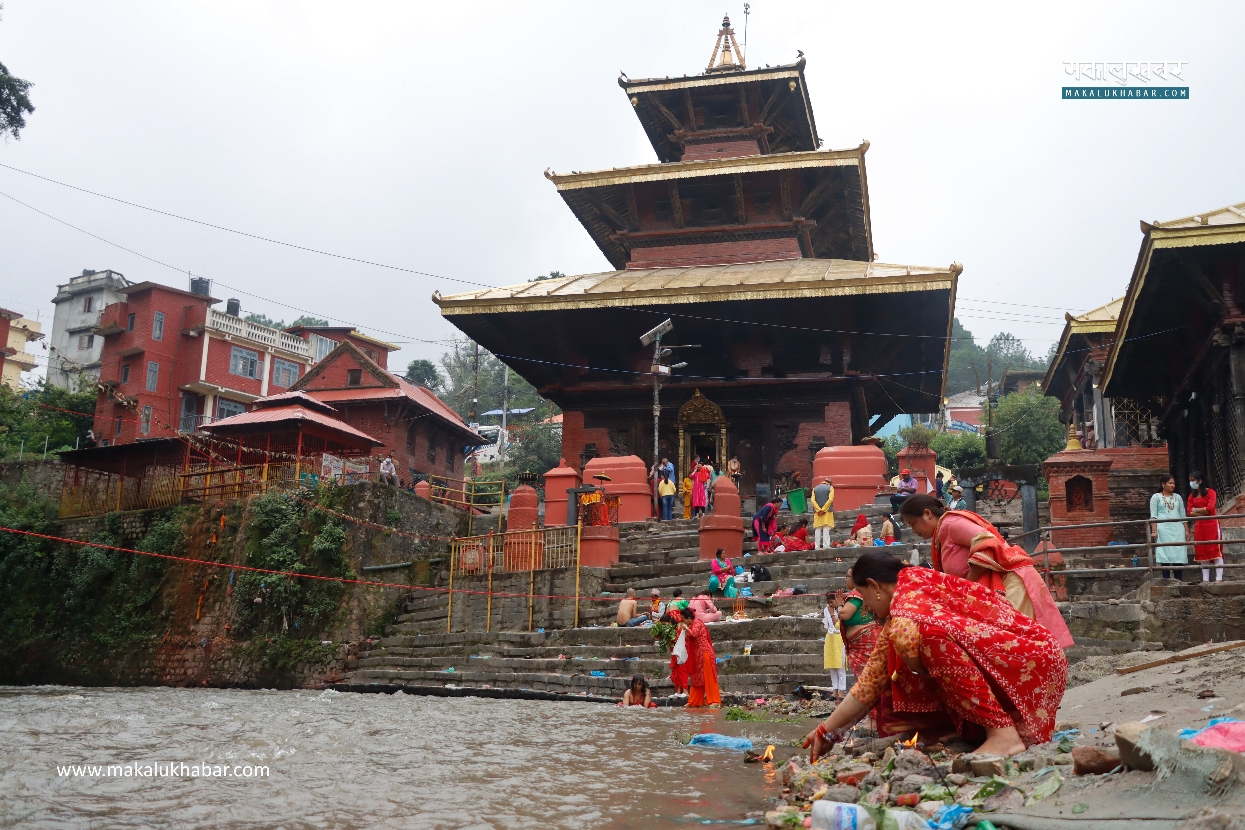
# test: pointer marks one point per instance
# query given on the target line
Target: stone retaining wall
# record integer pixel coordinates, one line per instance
(510, 613)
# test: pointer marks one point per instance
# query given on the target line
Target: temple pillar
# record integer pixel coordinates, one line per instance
(557, 481)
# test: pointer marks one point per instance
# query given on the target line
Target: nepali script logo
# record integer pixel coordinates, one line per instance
(1152, 80)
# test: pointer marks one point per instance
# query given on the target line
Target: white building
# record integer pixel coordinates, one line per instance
(73, 349)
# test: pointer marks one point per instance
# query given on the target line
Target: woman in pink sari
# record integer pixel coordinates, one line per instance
(700, 488)
(964, 544)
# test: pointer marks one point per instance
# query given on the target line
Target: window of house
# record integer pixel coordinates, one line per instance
(371, 355)
(449, 456)
(129, 322)
(157, 326)
(321, 346)
(432, 449)
(85, 341)
(153, 375)
(410, 438)
(125, 373)
(118, 428)
(244, 362)
(144, 425)
(761, 202)
(354, 377)
(284, 373)
(226, 407)
(88, 303)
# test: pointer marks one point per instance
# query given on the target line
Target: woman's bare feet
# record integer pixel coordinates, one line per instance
(1002, 742)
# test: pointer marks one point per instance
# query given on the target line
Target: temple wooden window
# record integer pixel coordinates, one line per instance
(661, 210)
(432, 448)
(1079, 495)
(354, 377)
(410, 438)
(761, 201)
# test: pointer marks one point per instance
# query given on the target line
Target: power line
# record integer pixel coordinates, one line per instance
(243, 233)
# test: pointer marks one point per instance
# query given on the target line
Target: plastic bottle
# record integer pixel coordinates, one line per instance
(834, 815)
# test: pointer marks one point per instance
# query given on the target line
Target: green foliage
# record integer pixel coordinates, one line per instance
(739, 713)
(284, 535)
(424, 373)
(664, 635)
(891, 445)
(15, 103)
(32, 415)
(534, 448)
(959, 450)
(265, 320)
(458, 366)
(1028, 423)
(552, 275)
(917, 435)
(79, 605)
(1005, 351)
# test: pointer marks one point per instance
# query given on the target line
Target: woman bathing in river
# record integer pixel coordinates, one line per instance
(638, 693)
(952, 656)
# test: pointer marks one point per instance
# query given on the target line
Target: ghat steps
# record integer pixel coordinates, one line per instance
(785, 633)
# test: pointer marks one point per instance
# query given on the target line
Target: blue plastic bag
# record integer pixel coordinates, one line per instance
(716, 741)
(1189, 734)
(598, 674)
(951, 817)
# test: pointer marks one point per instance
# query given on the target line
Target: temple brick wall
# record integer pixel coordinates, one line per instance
(1132, 480)
(835, 430)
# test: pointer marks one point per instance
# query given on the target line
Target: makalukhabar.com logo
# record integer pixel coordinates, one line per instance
(1126, 80)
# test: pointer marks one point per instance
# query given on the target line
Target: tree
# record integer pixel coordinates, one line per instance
(552, 275)
(308, 320)
(534, 448)
(424, 373)
(459, 383)
(965, 353)
(265, 320)
(959, 450)
(60, 417)
(1028, 425)
(14, 103)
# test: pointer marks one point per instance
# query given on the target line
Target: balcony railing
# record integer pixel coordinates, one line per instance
(270, 337)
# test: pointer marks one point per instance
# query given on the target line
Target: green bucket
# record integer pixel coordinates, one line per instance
(796, 501)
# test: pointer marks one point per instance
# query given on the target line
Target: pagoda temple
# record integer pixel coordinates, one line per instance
(756, 244)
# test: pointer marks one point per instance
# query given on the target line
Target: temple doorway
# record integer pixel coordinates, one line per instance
(702, 433)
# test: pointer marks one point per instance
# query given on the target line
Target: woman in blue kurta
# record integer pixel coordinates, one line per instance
(1167, 504)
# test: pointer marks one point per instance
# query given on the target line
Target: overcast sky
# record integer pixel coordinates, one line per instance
(415, 135)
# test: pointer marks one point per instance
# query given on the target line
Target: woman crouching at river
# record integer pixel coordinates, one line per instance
(952, 657)
(964, 544)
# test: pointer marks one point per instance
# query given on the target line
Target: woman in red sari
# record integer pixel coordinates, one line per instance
(702, 663)
(952, 656)
(701, 474)
(964, 544)
(1203, 502)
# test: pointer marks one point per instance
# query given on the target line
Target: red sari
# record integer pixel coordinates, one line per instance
(984, 662)
(702, 667)
(1205, 529)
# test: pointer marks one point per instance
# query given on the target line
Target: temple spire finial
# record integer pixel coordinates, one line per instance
(727, 56)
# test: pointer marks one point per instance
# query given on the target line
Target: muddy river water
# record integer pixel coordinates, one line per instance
(354, 760)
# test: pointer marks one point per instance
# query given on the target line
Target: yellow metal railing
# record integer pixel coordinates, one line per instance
(519, 551)
(469, 494)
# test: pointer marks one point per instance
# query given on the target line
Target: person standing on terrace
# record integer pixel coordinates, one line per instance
(1167, 504)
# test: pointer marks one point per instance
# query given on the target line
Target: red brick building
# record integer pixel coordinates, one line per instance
(426, 436)
(171, 363)
(757, 244)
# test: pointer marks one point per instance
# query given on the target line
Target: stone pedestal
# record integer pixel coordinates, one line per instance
(724, 527)
(598, 546)
(628, 481)
(857, 473)
(557, 481)
(920, 460)
(524, 512)
(1079, 494)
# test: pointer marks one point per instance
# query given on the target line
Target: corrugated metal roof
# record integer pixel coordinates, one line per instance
(1230, 215)
(404, 389)
(292, 414)
(744, 281)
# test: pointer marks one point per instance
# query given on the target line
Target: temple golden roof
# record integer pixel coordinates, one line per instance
(706, 283)
(667, 171)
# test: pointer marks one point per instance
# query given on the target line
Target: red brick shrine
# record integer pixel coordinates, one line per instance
(757, 245)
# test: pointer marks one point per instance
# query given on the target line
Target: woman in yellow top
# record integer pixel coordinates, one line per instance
(823, 513)
(686, 492)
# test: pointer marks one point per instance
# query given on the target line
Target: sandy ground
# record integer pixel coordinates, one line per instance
(1169, 696)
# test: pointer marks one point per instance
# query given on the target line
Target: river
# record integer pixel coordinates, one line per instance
(356, 760)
